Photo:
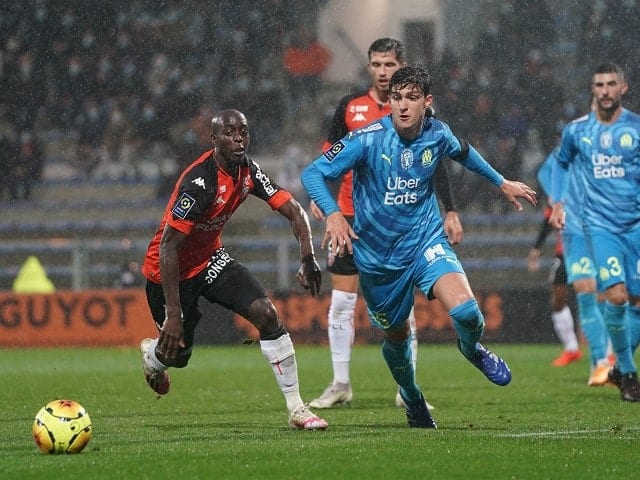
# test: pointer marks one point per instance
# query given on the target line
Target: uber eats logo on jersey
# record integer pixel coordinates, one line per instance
(399, 191)
(607, 166)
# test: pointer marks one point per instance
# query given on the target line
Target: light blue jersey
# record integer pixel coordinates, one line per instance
(544, 173)
(577, 255)
(397, 213)
(607, 170)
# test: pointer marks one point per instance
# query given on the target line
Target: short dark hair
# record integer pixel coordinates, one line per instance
(387, 44)
(609, 67)
(411, 75)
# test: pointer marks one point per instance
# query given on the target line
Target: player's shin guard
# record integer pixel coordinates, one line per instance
(341, 332)
(398, 358)
(633, 323)
(593, 326)
(468, 322)
(281, 356)
(614, 319)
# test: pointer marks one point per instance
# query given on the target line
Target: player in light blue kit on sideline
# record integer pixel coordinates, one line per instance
(397, 238)
(581, 273)
(603, 150)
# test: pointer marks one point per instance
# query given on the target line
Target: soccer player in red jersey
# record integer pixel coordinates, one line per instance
(357, 110)
(186, 260)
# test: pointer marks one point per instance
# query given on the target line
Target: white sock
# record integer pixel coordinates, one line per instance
(282, 358)
(151, 359)
(610, 350)
(341, 332)
(413, 335)
(563, 325)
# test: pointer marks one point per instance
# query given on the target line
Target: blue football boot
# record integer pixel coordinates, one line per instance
(493, 367)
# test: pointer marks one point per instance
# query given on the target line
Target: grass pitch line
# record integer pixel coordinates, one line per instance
(567, 433)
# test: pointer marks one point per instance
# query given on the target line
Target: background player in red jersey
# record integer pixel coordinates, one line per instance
(385, 56)
(186, 260)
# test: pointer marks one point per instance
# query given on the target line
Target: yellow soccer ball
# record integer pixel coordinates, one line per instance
(62, 426)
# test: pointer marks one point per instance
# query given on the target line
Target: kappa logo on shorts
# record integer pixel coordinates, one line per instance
(334, 150)
(182, 207)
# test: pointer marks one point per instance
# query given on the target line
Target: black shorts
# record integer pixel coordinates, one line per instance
(343, 265)
(558, 273)
(225, 281)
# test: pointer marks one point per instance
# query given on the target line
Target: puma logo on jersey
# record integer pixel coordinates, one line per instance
(386, 158)
(199, 182)
(586, 140)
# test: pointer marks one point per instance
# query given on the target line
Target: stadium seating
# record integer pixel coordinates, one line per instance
(85, 232)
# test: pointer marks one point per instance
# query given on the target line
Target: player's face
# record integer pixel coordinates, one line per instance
(232, 140)
(382, 65)
(607, 90)
(408, 108)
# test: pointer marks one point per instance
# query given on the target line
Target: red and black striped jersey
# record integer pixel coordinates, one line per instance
(201, 203)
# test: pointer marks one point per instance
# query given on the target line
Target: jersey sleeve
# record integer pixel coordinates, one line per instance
(192, 199)
(564, 156)
(544, 173)
(476, 163)
(266, 189)
(341, 157)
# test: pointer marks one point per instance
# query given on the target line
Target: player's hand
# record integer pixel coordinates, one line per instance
(513, 190)
(558, 216)
(315, 211)
(309, 275)
(171, 339)
(338, 235)
(453, 228)
(533, 264)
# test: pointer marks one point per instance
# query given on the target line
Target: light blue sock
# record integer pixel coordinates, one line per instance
(398, 358)
(468, 322)
(592, 325)
(614, 318)
(633, 324)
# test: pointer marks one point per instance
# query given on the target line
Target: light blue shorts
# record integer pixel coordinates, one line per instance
(617, 258)
(578, 260)
(389, 294)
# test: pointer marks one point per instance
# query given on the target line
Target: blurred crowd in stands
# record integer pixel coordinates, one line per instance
(126, 89)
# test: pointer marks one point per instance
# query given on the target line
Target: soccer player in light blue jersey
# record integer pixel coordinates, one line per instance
(581, 273)
(561, 315)
(603, 150)
(397, 239)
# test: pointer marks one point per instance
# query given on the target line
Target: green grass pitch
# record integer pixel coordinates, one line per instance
(225, 418)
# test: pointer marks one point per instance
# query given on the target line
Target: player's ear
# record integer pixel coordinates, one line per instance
(624, 88)
(428, 100)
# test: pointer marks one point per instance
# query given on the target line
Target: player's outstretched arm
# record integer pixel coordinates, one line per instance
(513, 190)
(309, 274)
(171, 337)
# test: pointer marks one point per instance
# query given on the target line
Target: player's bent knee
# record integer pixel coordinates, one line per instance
(264, 316)
(468, 315)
